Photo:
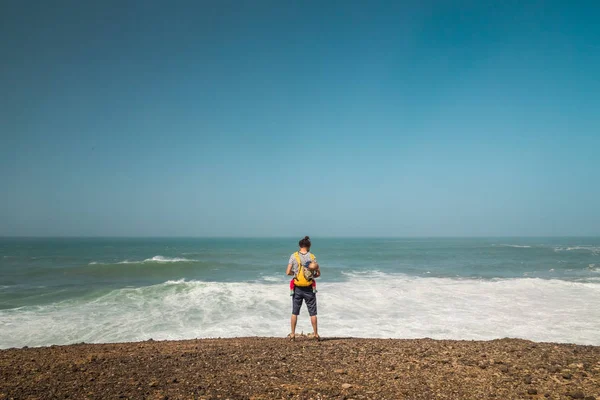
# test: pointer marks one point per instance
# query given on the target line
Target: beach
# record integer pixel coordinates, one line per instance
(274, 368)
(194, 318)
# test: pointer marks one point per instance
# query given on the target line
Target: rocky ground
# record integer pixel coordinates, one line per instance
(336, 368)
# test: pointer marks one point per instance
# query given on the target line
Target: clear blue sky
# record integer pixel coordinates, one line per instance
(280, 118)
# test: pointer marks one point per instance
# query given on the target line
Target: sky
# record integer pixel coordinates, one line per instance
(286, 118)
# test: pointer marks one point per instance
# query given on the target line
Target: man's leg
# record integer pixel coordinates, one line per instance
(311, 304)
(293, 322)
(296, 305)
(313, 321)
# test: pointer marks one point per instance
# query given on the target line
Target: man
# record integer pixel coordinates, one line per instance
(304, 267)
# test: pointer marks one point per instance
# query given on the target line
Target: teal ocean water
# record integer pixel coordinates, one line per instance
(60, 291)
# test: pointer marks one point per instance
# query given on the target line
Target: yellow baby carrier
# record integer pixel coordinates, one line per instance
(301, 278)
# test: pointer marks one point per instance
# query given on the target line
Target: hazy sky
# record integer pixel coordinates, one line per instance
(269, 118)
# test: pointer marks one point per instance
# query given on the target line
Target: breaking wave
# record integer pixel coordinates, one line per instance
(375, 304)
(593, 249)
(159, 259)
(155, 259)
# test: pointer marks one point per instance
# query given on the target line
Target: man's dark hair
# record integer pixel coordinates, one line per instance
(304, 242)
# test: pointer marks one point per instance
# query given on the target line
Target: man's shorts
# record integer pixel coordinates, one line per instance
(306, 294)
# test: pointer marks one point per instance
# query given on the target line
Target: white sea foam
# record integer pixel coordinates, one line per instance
(161, 259)
(158, 259)
(594, 249)
(383, 306)
(364, 274)
(172, 282)
(275, 278)
(155, 259)
(518, 246)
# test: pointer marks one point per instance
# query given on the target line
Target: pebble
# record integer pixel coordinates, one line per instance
(567, 376)
(346, 386)
(527, 379)
(531, 391)
(575, 395)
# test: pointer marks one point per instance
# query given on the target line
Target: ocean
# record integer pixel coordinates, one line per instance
(96, 290)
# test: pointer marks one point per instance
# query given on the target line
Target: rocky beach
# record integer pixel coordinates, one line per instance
(274, 368)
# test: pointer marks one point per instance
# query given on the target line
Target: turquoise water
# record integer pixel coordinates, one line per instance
(68, 290)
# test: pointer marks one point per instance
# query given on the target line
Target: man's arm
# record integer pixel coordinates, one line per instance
(289, 270)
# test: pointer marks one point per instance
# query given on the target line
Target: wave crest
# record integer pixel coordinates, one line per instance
(594, 249)
(159, 260)
(156, 259)
(388, 305)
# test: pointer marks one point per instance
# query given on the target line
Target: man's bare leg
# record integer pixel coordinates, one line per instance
(313, 321)
(293, 322)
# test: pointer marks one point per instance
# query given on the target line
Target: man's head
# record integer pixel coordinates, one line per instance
(304, 243)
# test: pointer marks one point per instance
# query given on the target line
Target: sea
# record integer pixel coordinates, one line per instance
(102, 290)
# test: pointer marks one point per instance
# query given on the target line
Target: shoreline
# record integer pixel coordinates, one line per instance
(269, 368)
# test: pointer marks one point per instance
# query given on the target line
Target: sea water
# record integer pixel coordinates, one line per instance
(61, 291)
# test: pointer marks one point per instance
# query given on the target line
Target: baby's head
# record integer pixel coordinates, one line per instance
(313, 265)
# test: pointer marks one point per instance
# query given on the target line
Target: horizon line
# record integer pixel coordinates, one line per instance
(289, 237)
